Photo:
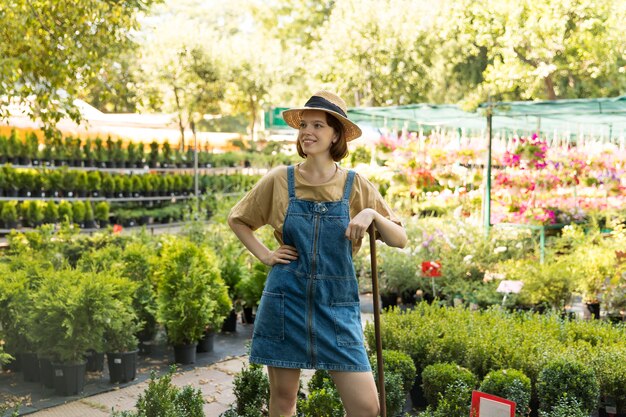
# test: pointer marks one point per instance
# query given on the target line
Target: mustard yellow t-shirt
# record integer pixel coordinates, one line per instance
(267, 202)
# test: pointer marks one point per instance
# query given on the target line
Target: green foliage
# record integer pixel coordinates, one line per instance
(9, 213)
(566, 406)
(455, 403)
(16, 293)
(398, 363)
(164, 399)
(78, 211)
(66, 213)
(251, 389)
(70, 312)
(191, 294)
(51, 212)
(323, 402)
(101, 212)
(512, 385)
(437, 378)
(573, 378)
(250, 288)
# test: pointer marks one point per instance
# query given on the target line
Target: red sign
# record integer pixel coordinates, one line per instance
(487, 405)
(431, 268)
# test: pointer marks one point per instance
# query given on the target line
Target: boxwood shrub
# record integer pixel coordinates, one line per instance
(512, 385)
(571, 378)
(438, 377)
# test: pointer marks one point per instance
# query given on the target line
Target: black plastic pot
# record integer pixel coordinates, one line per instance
(417, 394)
(248, 316)
(46, 372)
(594, 309)
(122, 366)
(206, 343)
(230, 324)
(95, 361)
(69, 379)
(389, 300)
(30, 367)
(185, 354)
(14, 365)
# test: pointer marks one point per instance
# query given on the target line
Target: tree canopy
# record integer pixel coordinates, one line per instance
(241, 55)
(50, 49)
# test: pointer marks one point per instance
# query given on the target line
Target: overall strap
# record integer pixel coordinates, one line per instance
(291, 183)
(348, 188)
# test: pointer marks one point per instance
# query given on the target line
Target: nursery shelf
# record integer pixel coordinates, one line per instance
(146, 169)
(113, 200)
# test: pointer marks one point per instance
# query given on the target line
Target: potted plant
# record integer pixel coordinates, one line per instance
(13, 148)
(16, 291)
(120, 186)
(189, 284)
(83, 299)
(119, 335)
(50, 213)
(88, 153)
(94, 183)
(34, 213)
(89, 221)
(100, 154)
(167, 161)
(102, 213)
(78, 213)
(153, 161)
(137, 186)
(108, 185)
(110, 153)
(66, 214)
(250, 290)
(68, 182)
(9, 215)
(81, 184)
(32, 149)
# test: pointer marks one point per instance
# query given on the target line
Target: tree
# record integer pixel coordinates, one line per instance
(52, 48)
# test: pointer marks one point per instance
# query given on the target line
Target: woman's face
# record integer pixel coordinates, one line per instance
(315, 135)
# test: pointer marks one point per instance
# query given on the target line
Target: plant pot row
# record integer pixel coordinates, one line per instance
(69, 379)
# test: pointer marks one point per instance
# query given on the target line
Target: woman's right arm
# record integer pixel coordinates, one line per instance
(283, 255)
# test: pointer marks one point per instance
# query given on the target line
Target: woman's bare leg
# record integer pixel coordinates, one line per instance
(284, 385)
(358, 393)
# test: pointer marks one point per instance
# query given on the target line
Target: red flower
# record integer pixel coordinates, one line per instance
(431, 268)
(117, 228)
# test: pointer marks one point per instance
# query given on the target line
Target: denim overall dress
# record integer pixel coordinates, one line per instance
(309, 314)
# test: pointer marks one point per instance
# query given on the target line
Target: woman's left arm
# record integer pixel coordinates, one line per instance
(391, 233)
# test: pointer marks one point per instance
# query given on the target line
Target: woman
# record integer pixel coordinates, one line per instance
(309, 315)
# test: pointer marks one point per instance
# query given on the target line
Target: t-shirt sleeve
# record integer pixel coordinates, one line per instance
(255, 208)
(366, 195)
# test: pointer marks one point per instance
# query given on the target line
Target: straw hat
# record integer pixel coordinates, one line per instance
(330, 103)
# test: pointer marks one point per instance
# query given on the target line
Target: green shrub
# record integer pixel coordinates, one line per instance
(78, 211)
(9, 213)
(398, 363)
(438, 377)
(565, 407)
(191, 293)
(164, 399)
(323, 399)
(455, 403)
(574, 378)
(51, 212)
(66, 213)
(251, 389)
(101, 212)
(512, 385)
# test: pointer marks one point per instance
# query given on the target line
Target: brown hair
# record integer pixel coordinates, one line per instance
(339, 149)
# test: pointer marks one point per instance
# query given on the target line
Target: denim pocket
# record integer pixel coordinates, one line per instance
(347, 323)
(270, 316)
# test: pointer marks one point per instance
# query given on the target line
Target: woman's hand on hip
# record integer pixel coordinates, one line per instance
(357, 228)
(283, 255)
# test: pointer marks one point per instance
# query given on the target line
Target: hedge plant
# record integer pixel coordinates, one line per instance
(569, 377)
(512, 385)
(438, 377)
